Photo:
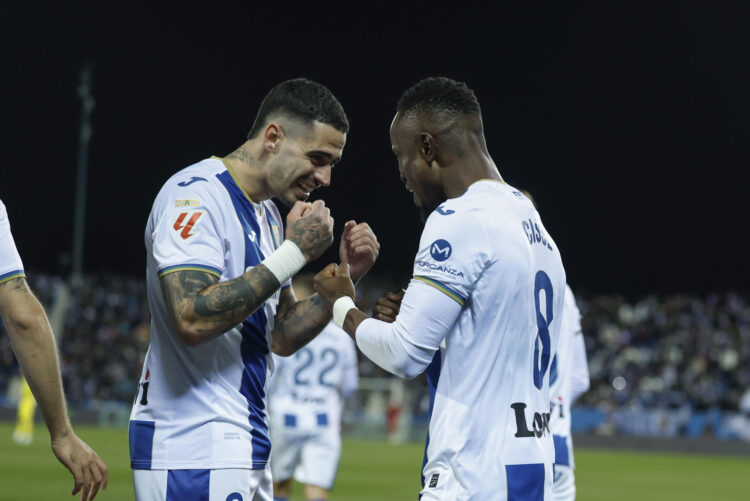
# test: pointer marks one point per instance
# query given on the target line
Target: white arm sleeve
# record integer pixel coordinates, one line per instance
(406, 346)
(579, 370)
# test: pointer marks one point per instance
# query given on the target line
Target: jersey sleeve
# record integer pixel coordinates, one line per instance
(187, 230)
(10, 262)
(453, 252)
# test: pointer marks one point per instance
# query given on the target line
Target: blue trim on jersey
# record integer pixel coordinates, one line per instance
(189, 267)
(525, 482)
(433, 375)
(11, 275)
(448, 291)
(254, 346)
(246, 214)
(561, 450)
(141, 440)
(188, 484)
(254, 349)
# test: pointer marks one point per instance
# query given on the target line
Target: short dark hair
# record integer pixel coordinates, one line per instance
(439, 94)
(304, 100)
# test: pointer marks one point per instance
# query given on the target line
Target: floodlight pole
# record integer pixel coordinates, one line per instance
(84, 137)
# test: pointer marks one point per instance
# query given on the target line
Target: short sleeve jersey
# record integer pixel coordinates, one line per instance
(10, 262)
(311, 382)
(204, 407)
(489, 382)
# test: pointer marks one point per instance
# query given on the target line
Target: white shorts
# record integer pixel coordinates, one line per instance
(565, 483)
(309, 454)
(527, 482)
(203, 485)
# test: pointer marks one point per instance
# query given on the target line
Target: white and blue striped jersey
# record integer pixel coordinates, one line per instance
(569, 378)
(204, 407)
(308, 387)
(489, 381)
(10, 262)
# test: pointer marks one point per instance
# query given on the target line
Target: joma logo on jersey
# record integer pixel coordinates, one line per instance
(440, 250)
(188, 226)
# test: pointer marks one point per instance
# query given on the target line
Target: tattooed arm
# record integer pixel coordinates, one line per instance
(202, 308)
(298, 322)
(34, 345)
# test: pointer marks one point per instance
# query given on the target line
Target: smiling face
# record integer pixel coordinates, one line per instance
(304, 160)
(417, 168)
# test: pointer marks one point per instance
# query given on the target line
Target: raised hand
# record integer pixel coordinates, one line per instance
(310, 226)
(334, 282)
(359, 248)
(89, 471)
(387, 306)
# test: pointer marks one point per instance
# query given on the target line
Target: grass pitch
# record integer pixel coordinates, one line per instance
(379, 471)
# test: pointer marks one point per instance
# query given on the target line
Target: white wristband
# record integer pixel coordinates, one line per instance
(340, 308)
(285, 261)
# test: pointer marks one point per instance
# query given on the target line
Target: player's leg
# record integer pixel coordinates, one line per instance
(319, 461)
(282, 489)
(315, 493)
(285, 452)
(565, 486)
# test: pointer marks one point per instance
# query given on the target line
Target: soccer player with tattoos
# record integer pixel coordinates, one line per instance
(219, 268)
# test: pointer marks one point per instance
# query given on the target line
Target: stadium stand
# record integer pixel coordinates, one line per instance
(661, 366)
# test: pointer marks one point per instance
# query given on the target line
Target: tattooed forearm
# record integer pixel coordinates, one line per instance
(299, 325)
(202, 308)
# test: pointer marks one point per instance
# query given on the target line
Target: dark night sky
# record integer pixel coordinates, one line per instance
(629, 124)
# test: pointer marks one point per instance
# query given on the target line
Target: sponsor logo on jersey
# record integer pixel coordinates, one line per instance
(186, 226)
(443, 269)
(434, 480)
(191, 181)
(187, 203)
(445, 212)
(440, 250)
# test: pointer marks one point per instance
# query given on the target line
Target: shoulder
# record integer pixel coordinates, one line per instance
(192, 187)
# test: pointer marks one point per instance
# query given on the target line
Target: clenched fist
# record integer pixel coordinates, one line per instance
(310, 226)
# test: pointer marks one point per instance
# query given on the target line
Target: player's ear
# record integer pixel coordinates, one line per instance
(272, 136)
(427, 147)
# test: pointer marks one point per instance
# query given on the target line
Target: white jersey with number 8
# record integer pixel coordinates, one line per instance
(489, 436)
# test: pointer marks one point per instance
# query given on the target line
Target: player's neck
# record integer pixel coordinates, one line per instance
(248, 169)
(466, 171)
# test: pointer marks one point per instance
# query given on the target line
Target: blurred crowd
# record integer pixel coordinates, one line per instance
(103, 340)
(678, 353)
(668, 352)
